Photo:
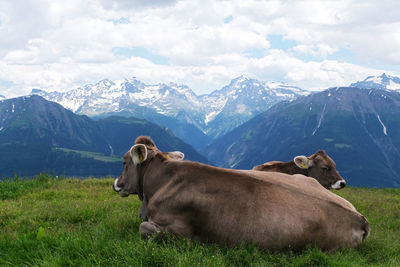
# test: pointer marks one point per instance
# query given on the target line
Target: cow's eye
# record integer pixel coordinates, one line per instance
(325, 168)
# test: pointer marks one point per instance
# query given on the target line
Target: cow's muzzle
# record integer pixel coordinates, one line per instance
(115, 187)
(339, 184)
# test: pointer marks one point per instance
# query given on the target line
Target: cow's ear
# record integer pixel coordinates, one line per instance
(303, 162)
(138, 153)
(177, 155)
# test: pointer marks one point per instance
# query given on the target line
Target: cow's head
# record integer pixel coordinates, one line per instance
(135, 161)
(321, 167)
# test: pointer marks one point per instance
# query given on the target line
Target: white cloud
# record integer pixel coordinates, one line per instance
(134, 4)
(57, 46)
(318, 50)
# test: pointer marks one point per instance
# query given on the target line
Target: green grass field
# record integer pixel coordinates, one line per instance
(69, 222)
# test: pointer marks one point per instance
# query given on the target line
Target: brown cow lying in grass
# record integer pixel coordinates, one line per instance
(272, 210)
(319, 166)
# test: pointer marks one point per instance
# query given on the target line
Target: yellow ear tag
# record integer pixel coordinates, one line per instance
(303, 166)
(168, 156)
(140, 158)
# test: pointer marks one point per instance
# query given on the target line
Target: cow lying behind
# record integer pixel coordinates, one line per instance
(210, 204)
(319, 166)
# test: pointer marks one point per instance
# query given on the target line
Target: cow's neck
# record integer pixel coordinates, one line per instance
(294, 169)
(142, 170)
(153, 177)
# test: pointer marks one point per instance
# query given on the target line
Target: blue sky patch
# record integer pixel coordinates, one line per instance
(5, 83)
(121, 20)
(140, 52)
(345, 55)
(255, 53)
(228, 19)
(381, 66)
(277, 42)
(342, 55)
(306, 57)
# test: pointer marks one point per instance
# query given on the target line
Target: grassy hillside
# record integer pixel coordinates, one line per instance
(92, 155)
(52, 222)
(31, 159)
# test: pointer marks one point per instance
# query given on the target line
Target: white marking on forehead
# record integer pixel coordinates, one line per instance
(338, 184)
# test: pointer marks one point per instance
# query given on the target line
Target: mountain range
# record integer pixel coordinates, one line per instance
(205, 116)
(195, 119)
(245, 123)
(37, 135)
(358, 128)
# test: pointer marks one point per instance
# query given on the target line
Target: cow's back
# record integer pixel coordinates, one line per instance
(273, 210)
(279, 166)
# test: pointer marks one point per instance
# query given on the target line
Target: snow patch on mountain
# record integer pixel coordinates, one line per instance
(320, 120)
(384, 82)
(383, 125)
(242, 96)
(392, 85)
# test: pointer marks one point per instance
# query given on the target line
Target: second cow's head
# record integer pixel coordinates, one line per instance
(321, 167)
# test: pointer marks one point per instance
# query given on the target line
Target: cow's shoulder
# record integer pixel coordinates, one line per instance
(295, 182)
(307, 180)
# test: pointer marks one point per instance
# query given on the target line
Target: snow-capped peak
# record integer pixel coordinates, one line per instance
(105, 83)
(383, 81)
(241, 78)
(244, 97)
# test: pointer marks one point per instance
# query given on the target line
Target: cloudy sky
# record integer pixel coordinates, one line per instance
(58, 45)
